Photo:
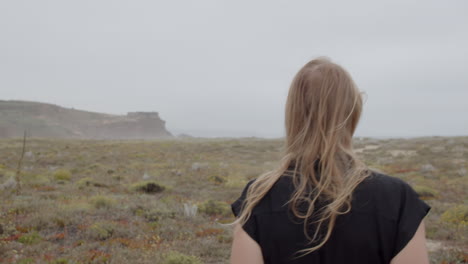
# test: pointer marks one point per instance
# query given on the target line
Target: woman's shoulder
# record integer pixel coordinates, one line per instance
(274, 200)
(378, 193)
(384, 185)
(385, 194)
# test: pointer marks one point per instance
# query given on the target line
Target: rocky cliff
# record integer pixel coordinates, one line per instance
(44, 120)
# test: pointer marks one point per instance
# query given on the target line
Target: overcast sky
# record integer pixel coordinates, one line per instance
(223, 68)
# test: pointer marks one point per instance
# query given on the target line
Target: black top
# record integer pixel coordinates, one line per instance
(385, 214)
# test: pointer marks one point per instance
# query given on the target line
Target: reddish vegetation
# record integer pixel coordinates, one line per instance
(12, 237)
(71, 224)
(209, 232)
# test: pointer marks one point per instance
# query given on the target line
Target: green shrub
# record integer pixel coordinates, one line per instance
(60, 221)
(62, 175)
(457, 215)
(218, 180)
(41, 179)
(101, 230)
(235, 182)
(148, 187)
(35, 179)
(60, 261)
(117, 177)
(26, 261)
(30, 238)
(425, 192)
(223, 238)
(84, 182)
(212, 207)
(174, 257)
(88, 181)
(101, 201)
(156, 215)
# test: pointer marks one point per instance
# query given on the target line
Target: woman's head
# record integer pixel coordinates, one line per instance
(322, 112)
(322, 109)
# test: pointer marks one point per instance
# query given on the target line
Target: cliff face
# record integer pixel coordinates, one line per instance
(51, 121)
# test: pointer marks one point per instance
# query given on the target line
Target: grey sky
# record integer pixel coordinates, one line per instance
(222, 68)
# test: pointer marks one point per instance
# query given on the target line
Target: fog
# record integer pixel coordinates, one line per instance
(223, 68)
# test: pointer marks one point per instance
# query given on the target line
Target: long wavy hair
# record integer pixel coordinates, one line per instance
(323, 109)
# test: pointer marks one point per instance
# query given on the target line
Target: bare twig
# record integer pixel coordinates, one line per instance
(20, 163)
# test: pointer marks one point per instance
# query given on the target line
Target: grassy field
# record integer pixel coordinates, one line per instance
(123, 201)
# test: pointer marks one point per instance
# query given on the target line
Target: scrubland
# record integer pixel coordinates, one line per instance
(165, 201)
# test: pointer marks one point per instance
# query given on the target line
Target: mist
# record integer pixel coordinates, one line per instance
(223, 68)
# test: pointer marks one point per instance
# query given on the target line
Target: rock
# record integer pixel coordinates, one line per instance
(371, 147)
(176, 172)
(404, 153)
(9, 184)
(434, 245)
(153, 188)
(190, 210)
(459, 149)
(358, 150)
(438, 149)
(366, 148)
(183, 135)
(196, 166)
(427, 167)
(71, 123)
(384, 161)
(458, 161)
(462, 172)
(148, 187)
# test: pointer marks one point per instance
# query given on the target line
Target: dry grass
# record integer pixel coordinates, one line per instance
(122, 201)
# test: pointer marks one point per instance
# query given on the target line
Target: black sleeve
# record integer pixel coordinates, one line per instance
(236, 207)
(412, 211)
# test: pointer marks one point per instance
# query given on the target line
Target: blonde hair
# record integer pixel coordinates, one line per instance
(323, 109)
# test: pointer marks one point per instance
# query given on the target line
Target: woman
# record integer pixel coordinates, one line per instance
(322, 204)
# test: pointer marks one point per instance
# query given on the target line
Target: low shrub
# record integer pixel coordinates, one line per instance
(62, 175)
(101, 230)
(88, 181)
(209, 232)
(174, 257)
(235, 182)
(457, 215)
(156, 215)
(426, 193)
(60, 261)
(30, 238)
(26, 261)
(101, 201)
(212, 207)
(216, 179)
(84, 182)
(35, 179)
(147, 187)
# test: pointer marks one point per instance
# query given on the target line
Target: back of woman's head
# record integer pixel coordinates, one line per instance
(322, 112)
(322, 109)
